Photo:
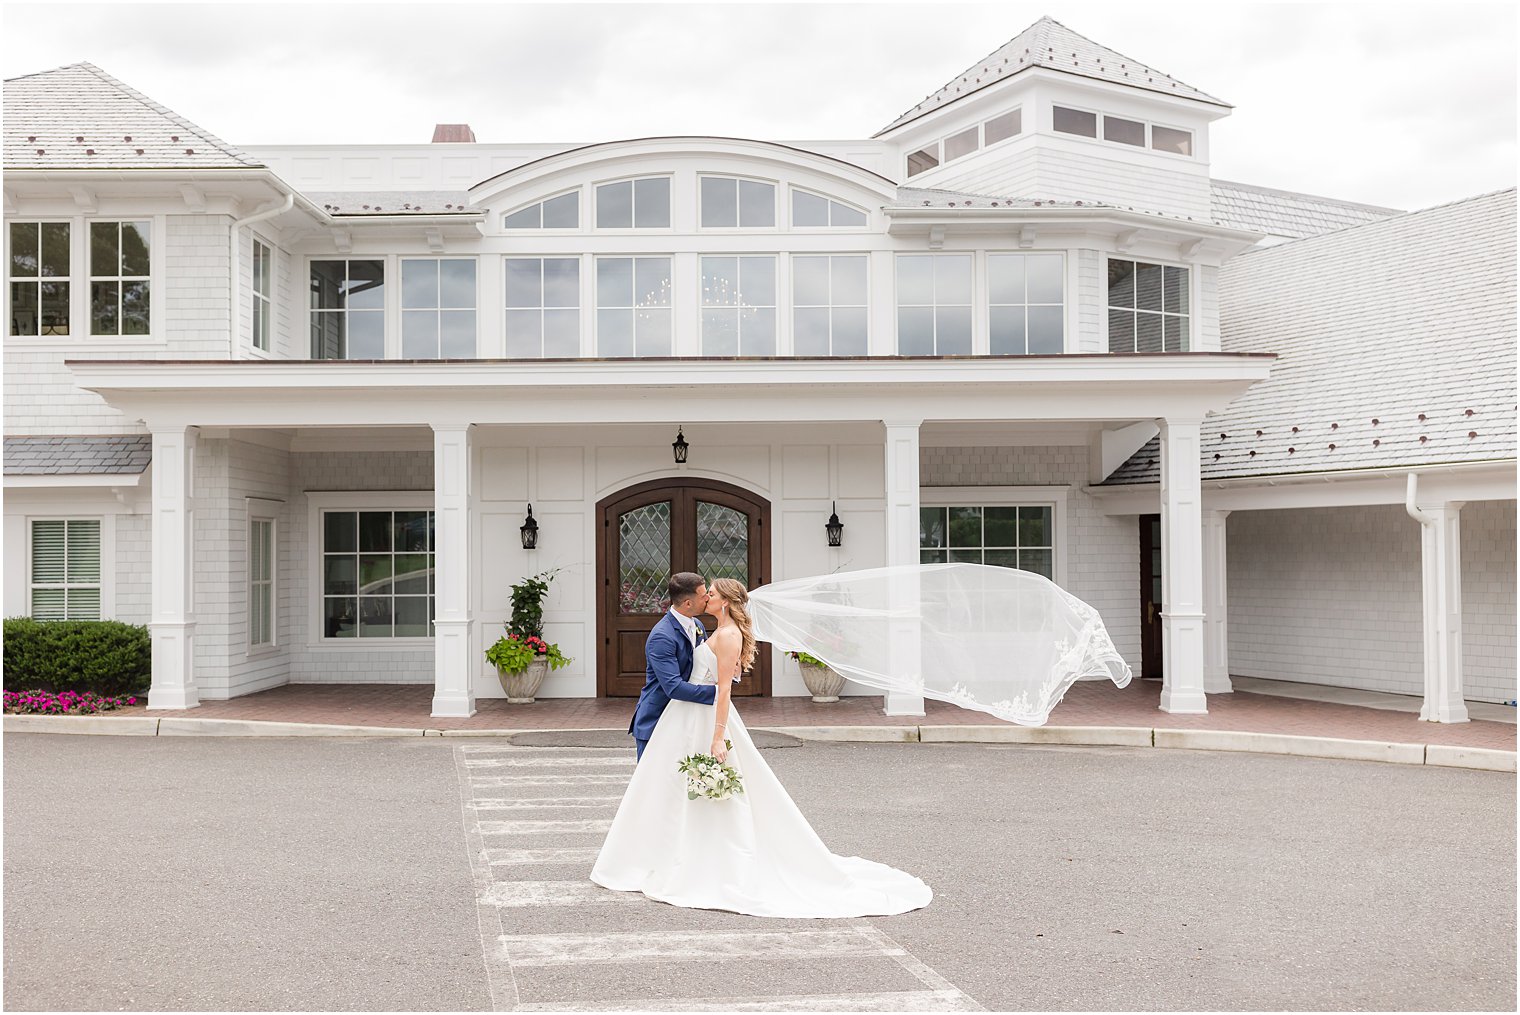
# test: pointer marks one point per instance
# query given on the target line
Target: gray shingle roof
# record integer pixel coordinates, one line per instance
(121, 454)
(80, 117)
(1048, 43)
(1388, 335)
(342, 203)
(1284, 213)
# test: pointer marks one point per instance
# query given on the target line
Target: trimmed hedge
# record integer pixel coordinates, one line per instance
(103, 656)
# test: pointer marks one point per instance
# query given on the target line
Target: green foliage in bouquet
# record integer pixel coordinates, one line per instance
(708, 777)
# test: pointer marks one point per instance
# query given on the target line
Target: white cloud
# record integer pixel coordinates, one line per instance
(1404, 105)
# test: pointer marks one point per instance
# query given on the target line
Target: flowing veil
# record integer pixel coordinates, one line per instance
(995, 639)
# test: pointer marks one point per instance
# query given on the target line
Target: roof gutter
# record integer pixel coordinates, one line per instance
(235, 272)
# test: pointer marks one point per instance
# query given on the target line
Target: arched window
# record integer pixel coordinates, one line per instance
(730, 202)
(814, 210)
(562, 212)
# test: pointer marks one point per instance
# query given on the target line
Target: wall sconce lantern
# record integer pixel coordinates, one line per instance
(679, 446)
(529, 531)
(834, 527)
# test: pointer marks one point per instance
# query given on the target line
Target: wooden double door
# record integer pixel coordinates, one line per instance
(1150, 597)
(654, 530)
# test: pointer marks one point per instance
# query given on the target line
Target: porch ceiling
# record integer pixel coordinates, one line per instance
(367, 393)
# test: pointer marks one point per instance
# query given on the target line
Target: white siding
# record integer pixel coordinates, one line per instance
(1332, 596)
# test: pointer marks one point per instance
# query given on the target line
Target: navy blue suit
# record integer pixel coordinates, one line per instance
(667, 655)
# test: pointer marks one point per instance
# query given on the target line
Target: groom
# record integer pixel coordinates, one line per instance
(668, 654)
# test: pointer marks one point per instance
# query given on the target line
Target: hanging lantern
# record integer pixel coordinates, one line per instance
(529, 531)
(679, 446)
(834, 527)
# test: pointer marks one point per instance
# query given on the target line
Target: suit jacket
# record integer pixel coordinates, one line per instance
(667, 653)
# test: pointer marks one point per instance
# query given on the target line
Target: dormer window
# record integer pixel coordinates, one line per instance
(634, 204)
(1001, 128)
(815, 211)
(562, 212)
(729, 203)
(962, 144)
(1074, 121)
(1130, 132)
(923, 160)
(1170, 139)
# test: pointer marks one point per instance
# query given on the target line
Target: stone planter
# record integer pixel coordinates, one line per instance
(822, 682)
(522, 685)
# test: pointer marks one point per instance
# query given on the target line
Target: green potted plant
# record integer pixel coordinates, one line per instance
(521, 656)
(821, 680)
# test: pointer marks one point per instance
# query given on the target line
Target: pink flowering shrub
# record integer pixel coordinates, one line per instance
(65, 703)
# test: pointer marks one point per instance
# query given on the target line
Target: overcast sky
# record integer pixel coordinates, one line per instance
(1405, 105)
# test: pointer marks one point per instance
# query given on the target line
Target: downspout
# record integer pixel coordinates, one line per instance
(1409, 494)
(234, 268)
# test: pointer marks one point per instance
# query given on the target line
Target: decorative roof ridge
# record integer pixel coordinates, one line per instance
(1400, 218)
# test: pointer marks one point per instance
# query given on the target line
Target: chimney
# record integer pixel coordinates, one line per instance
(453, 133)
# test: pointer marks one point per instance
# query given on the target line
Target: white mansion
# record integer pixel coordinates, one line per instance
(290, 406)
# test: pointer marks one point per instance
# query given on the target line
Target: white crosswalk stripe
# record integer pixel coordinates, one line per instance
(497, 787)
(903, 1000)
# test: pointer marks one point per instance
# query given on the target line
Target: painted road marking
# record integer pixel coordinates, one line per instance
(539, 827)
(497, 895)
(517, 894)
(905, 1000)
(547, 762)
(547, 803)
(496, 781)
(510, 857)
(658, 946)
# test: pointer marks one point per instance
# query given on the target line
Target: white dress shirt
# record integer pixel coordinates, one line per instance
(688, 624)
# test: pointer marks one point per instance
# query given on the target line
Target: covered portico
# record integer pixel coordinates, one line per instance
(458, 401)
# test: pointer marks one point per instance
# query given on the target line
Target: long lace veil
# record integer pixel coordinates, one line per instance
(995, 639)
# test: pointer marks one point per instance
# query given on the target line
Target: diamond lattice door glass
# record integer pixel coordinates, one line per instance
(722, 542)
(644, 558)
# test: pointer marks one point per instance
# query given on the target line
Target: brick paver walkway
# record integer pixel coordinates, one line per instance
(1086, 704)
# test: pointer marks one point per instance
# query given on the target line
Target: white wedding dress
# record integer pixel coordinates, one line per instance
(753, 853)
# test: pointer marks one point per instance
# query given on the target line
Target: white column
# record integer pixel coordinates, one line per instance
(1441, 567)
(1182, 569)
(1216, 631)
(902, 548)
(172, 624)
(453, 667)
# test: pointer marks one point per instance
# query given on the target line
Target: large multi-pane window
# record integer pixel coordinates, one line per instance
(377, 574)
(636, 204)
(829, 305)
(562, 212)
(1025, 305)
(348, 309)
(263, 288)
(260, 581)
(739, 306)
(728, 202)
(1010, 536)
(633, 306)
(1148, 307)
(119, 278)
(437, 307)
(543, 307)
(933, 304)
(65, 569)
(39, 277)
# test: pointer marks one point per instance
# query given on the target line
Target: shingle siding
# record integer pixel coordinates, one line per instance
(1333, 596)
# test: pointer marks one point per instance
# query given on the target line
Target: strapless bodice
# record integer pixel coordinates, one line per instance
(704, 665)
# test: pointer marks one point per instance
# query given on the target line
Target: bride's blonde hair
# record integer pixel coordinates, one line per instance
(736, 596)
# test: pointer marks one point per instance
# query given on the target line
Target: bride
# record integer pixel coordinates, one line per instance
(752, 853)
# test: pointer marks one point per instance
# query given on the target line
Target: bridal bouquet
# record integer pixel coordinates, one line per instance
(707, 777)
